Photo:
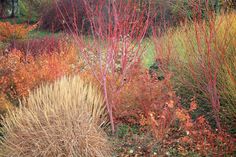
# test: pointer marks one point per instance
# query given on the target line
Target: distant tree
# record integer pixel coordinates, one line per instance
(11, 5)
(3, 4)
(14, 6)
(34, 9)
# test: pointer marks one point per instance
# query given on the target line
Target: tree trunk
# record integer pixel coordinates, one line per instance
(12, 8)
(2, 7)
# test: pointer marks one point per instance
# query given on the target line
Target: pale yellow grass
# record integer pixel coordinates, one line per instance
(60, 119)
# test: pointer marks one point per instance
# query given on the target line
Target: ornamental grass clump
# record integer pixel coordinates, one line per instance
(60, 119)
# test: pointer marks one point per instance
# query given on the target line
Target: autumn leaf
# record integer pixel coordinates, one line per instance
(193, 106)
(170, 104)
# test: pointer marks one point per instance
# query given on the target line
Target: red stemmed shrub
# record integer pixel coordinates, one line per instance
(39, 46)
(200, 53)
(117, 29)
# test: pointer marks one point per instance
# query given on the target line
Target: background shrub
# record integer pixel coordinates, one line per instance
(32, 10)
(59, 119)
(64, 14)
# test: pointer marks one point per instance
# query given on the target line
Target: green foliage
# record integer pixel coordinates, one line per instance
(40, 34)
(31, 8)
(24, 10)
(149, 56)
(122, 130)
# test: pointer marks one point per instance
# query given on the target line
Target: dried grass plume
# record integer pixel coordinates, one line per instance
(60, 119)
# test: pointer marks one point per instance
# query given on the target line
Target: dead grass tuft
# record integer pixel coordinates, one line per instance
(60, 119)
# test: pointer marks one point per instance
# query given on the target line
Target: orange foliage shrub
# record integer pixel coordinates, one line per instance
(139, 99)
(146, 101)
(200, 137)
(19, 72)
(10, 31)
